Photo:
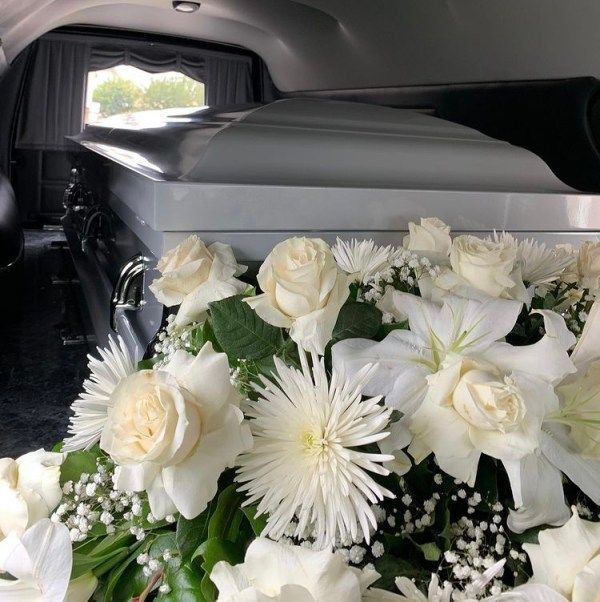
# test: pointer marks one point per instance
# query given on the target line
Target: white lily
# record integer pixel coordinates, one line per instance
(462, 390)
(536, 480)
(566, 565)
(40, 562)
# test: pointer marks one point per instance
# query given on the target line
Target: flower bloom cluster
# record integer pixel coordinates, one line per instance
(370, 423)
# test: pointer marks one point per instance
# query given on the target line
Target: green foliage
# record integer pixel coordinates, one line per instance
(258, 523)
(173, 92)
(149, 363)
(78, 462)
(357, 320)
(101, 556)
(185, 584)
(191, 534)
(117, 95)
(241, 333)
(224, 522)
(121, 95)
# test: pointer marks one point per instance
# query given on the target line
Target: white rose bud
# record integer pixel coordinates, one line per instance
(29, 490)
(173, 431)
(588, 266)
(303, 290)
(488, 266)
(194, 275)
(431, 238)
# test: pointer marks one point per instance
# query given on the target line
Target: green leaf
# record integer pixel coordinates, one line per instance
(215, 549)
(164, 541)
(257, 523)
(222, 521)
(212, 551)
(357, 320)
(126, 581)
(241, 333)
(78, 462)
(529, 536)
(390, 567)
(209, 590)
(149, 363)
(430, 551)
(191, 533)
(185, 584)
(82, 563)
(127, 577)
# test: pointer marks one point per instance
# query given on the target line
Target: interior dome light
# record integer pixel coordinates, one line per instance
(186, 7)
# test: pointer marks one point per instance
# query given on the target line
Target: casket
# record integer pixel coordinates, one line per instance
(251, 176)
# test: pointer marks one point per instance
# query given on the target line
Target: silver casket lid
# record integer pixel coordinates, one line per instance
(305, 142)
(252, 176)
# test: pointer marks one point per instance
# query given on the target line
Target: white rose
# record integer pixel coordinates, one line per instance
(303, 290)
(29, 490)
(588, 266)
(173, 431)
(280, 573)
(489, 266)
(194, 275)
(431, 238)
(482, 411)
(567, 560)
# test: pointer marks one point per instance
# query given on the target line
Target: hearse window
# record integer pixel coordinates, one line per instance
(128, 94)
(73, 80)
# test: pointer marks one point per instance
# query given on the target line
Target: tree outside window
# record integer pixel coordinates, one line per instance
(125, 90)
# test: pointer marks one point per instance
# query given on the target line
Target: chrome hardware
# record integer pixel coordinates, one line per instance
(128, 294)
(76, 195)
(97, 224)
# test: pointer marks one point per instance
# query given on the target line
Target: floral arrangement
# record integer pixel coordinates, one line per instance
(415, 423)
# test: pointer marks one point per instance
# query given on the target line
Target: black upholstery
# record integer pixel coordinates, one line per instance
(11, 233)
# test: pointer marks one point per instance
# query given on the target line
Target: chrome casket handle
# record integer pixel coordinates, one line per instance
(128, 294)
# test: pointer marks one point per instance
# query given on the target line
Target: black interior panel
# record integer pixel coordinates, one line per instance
(559, 120)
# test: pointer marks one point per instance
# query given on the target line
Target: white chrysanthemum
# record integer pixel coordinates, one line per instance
(362, 259)
(305, 463)
(91, 407)
(542, 265)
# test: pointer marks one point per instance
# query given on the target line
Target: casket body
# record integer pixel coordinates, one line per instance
(252, 176)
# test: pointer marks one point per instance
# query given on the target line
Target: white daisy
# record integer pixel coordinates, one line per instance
(542, 265)
(362, 259)
(305, 464)
(91, 407)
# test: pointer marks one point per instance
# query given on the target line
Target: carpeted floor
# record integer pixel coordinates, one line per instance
(39, 377)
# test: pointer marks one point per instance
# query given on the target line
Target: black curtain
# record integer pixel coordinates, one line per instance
(228, 81)
(150, 59)
(54, 95)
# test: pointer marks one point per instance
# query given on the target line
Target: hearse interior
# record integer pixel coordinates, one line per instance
(127, 125)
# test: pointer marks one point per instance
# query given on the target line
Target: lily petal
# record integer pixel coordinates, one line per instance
(584, 472)
(587, 349)
(537, 491)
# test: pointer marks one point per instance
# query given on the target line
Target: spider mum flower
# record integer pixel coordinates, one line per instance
(361, 259)
(542, 265)
(91, 407)
(306, 462)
